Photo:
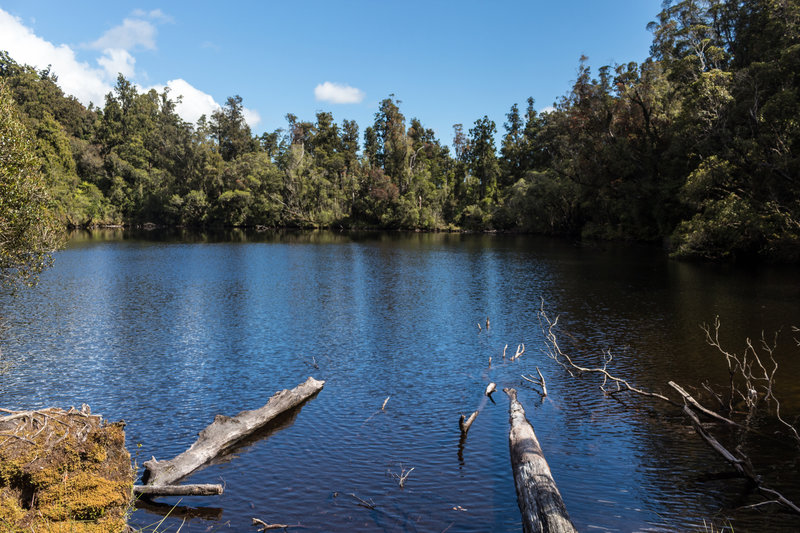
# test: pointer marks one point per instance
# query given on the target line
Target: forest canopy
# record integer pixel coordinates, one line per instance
(694, 147)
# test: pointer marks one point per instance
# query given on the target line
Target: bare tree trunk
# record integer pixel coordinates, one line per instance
(224, 432)
(539, 501)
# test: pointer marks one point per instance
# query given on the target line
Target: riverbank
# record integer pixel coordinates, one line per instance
(63, 471)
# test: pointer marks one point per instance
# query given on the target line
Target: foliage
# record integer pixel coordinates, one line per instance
(28, 232)
(695, 146)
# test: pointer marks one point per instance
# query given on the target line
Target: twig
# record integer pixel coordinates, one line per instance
(385, 402)
(555, 353)
(263, 526)
(535, 381)
(520, 351)
(402, 476)
(369, 505)
(16, 437)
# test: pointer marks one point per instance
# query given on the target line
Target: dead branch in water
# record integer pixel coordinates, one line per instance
(263, 526)
(535, 381)
(402, 476)
(751, 382)
(520, 351)
(751, 375)
(465, 423)
(490, 388)
(363, 503)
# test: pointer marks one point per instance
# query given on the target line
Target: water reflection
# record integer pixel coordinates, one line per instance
(166, 329)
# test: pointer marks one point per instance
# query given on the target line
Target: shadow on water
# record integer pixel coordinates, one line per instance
(183, 512)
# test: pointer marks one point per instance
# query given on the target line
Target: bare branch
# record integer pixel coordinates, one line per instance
(554, 352)
(465, 423)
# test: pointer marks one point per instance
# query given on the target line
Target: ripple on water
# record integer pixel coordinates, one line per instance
(165, 336)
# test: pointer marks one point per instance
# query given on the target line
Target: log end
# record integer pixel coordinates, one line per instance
(512, 393)
(316, 383)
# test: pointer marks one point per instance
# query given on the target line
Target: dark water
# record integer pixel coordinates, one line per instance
(165, 332)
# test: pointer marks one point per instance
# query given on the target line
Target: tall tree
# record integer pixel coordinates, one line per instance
(230, 129)
(482, 158)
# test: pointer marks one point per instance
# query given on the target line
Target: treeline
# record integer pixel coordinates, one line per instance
(695, 146)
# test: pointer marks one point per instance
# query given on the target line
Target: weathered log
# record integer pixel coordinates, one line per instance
(224, 432)
(178, 490)
(539, 501)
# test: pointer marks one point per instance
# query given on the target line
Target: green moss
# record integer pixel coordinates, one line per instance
(76, 477)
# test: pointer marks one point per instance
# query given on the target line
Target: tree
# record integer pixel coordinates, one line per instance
(28, 230)
(230, 129)
(482, 158)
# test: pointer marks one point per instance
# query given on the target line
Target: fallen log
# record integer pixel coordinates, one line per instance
(225, 432)
(539, 501)
(178, 490)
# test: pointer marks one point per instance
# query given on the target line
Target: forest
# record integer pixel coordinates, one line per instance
(694, 148)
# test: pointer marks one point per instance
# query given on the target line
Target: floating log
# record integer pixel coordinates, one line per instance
(490, 388)
(178, 490)
(539, 501)
(223, 433)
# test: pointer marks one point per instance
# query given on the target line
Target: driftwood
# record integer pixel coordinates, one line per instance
(220, 436)
(755, 388)
(178, 490)
(464, 423)
(539, 501)
(535, 381)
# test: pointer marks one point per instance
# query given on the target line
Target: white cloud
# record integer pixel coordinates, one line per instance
(337, 93)
(155, 14)
(251, 116)
(194, 103)
(90, 84)
(117, 61)
(128, 35)
(548, 109)
(75, 77)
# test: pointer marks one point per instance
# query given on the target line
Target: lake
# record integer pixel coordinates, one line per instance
(165, 330)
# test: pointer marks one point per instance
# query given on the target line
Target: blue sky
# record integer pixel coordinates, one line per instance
(447, 62)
